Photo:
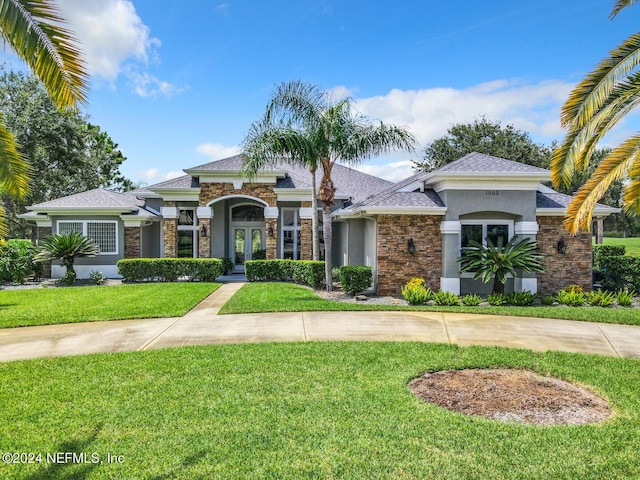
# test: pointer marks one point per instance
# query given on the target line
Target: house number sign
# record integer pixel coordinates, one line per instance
(492, 193)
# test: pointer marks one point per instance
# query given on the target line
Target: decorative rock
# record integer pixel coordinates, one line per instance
(396, 301)
(361, 298)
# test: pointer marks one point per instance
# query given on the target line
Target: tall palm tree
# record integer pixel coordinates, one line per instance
(332, 132)
(594, 106)
(33, 30)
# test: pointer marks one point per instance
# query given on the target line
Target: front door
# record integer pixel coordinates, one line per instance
(247, 241)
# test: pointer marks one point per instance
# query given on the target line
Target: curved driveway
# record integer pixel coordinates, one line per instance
(202, 326)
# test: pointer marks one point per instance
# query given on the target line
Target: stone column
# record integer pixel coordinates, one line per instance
(306, 231)
(205, 220)
(271, 228)
(132, 242)
(526, 280)
(170, 233)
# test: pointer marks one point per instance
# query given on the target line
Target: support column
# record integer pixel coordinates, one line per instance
(526, 280)
(450, 280)
(170, 234)
(306, 232)
(271, 229)
(205, 221)
(44, 230)
(132, 241)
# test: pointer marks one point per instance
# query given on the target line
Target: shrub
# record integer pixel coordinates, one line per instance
(260, 255)
(547, 300)
(620, 272)
(96, 277)
(521, 299)
(446, 299)
(227, 265)
(625, 297)
(600, 298)
(17, 261)
(573, 288)
(600, 251)
(572, 298)
(67, 247)
(68, 278)
(471, 300)
(170, 269)
(416, 291)
(355, 278)
(497, 299)
(306, 272)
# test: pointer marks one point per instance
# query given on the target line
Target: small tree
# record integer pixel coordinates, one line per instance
(489, 261)
(67, 247)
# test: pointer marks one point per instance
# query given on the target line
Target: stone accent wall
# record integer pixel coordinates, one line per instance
(272, 242)
(395, 265)
(42, 233)
(204, 243)
(306, 239)
(131, 242)
(572, 267)
(170, 237)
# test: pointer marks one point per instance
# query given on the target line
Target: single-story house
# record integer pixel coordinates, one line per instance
(413, 228)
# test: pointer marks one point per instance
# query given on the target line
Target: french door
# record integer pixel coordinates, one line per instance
(245, 242)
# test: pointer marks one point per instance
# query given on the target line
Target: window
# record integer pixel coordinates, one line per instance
(291, 233)
(247, 213)
(479, 231)
(187, 233)
(104, 233)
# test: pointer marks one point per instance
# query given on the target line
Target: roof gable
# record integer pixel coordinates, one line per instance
(480, 163)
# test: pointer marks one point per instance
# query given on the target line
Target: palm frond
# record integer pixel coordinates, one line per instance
(14, 168)
(619, 5)
(32, 28)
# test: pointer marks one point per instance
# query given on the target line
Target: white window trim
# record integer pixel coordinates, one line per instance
(84, 231)
(193, 228)
(484, 223)
(296, 229)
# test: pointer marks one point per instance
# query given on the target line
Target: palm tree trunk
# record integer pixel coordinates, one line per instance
(314, 219)
(327, 229)
(498, 286)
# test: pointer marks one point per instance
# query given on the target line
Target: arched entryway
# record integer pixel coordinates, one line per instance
(247, 233)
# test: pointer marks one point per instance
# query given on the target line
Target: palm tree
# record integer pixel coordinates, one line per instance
(594, 106)
(67, 247)
(330, 131)
(496, 261)
(32, 29)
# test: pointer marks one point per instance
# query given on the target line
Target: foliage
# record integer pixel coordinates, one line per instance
(52, 306)
(446, 299)
(67, 247)
(307, 126)
(487, 261)
(16, 261)
(620, 272)
(497, 299)
(572, 298)
(593, 108)
(573, 288)
(69, 153)
(631, 244)
(355, 278)
(170, 269)
(260, 254)
(625, 297)
(521, 299)
(600, 298)
(416, 291)
(34, 31)
(547, 300)
(306, 272)
(483, 136)
(69, 278)
(96, 277)
(600, 251)
(227, 265)
(471, 300)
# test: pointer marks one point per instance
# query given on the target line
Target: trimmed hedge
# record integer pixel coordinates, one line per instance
(355, 278)
(305, 272)
(620, 272)
(600, 251)
(170, 269)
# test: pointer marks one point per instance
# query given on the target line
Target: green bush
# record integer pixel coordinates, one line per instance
(572, 298)
(416, 292)
(16, 261)
(68, 278)
(305, 272)
(521, 299)
(355, 278)
(547, 300)
(96, 277)
(625, 297)
(170, 269)
(600, 298)
(600, 251)
(497, 299)
(471, 300)
(446, 299)
(227, 264)
(620, 272)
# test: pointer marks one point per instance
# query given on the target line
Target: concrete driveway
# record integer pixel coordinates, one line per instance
(202, 326)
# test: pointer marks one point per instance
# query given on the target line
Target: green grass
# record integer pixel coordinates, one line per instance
(632, 244)
(306, 410)
(286, 297)
(47, 306)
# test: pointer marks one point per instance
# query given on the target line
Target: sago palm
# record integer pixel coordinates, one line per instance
(67, 247)
(331, 131)
(32, 28)
(595, 105)
(487, 261)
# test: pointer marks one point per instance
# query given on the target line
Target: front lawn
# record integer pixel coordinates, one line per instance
(632, 245)
(287, 297)
(306, 410)
(47, 306)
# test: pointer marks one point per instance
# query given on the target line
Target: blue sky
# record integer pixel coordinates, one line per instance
(176, 84)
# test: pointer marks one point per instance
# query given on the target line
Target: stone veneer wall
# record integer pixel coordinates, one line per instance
(42, 233)
(306, 235)
(170, 234)
(131, 242)
(572, 267)
(395, 265)
(204, 243)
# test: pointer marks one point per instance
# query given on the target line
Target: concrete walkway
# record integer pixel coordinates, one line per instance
(202, 326)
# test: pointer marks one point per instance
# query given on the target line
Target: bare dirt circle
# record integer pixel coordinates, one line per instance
(511, 396)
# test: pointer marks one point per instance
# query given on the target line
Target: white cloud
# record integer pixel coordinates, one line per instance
(155, 175)
(146, 85)
(428, 113)
(115, 40)
(216, 151)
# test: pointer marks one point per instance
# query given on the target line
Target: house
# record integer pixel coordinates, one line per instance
(413, 228)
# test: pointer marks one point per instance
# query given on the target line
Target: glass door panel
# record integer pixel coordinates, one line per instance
(239, 247)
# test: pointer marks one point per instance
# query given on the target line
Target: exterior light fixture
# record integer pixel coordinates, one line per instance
(411, 247)
(561, 246)
(203, 231)
(270, 231)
